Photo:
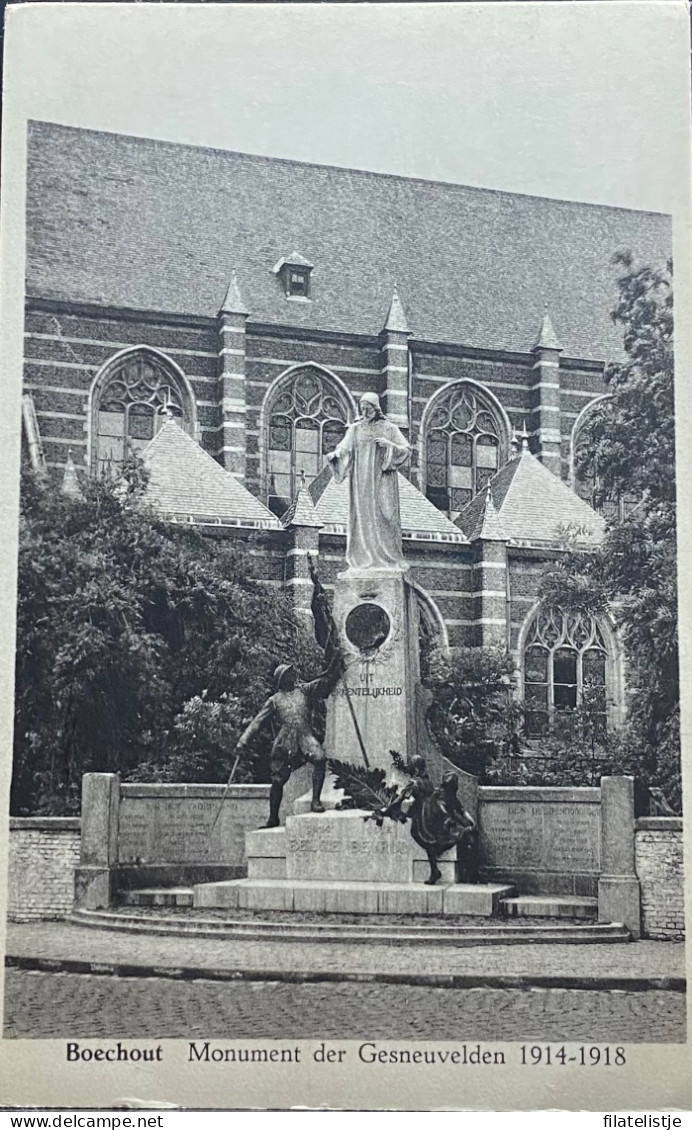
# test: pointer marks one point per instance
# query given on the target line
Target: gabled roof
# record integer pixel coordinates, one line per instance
(419, 518)
(533, 506)
(185, 482)
(295, 259)
(128, 222)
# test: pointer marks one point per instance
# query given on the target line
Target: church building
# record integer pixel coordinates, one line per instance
(222, 313)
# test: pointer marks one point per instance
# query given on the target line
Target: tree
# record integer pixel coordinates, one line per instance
(142, 647)
(474, 714)
(630, 449)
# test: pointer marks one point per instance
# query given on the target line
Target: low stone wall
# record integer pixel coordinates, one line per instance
(659, 862)
(141, 835)
(546, 840)
(43, 856)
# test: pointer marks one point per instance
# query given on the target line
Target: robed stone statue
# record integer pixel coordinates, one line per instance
(370, 454)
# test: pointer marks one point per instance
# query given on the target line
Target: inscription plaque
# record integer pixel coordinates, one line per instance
(343, 846)
(161, 830)
(557, 836)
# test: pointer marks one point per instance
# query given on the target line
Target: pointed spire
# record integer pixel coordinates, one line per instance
(302, 511)
(70, 480)
(491, 528)
(547, 338)
(233, 302)
(520, 440)
(396, 318)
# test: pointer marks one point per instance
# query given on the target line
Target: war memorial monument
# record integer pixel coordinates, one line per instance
(411, 849)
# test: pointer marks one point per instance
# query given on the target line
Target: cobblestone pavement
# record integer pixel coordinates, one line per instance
(74, 1006)
(632, 961)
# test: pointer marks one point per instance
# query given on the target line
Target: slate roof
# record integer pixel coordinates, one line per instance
(532, 505)
(136, 223)
(419, 518)
(185, 482)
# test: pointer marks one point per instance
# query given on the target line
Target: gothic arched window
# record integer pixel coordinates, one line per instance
(567, 662)
(465, 444)
(131, 400)
(306, 416)
(584, 479)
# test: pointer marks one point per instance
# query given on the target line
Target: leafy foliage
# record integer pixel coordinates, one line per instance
(630, 448)
(403, 766)
(364, 788)
(475, 713)
(142, 647)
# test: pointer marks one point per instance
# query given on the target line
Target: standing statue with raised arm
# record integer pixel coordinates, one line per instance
(290, 710)
(370, 454)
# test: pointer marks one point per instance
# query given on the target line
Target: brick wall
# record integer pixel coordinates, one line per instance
(44, 852)
(658, 853)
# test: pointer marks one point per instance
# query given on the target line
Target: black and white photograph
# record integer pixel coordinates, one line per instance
(343, 638)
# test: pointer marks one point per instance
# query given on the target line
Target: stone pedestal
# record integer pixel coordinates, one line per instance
(376, 614)
(618, 885)
(345, 847)
(338, 862)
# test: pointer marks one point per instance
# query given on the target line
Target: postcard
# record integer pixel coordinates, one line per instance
(345, 604)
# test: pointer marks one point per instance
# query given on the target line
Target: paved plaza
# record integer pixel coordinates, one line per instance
(144, 985)
(69, 1005)
(619, 965)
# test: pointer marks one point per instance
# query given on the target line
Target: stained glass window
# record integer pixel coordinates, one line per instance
(137, 397)
(306, 419)
(464, 445)
(565, 666)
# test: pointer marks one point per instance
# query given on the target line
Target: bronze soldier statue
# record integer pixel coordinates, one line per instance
(439, 821)
(290, 708)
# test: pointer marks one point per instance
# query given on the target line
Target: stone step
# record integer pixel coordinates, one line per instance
(481, 900)
(157, 896)
(266, 842)
(481, 932)
(549, 906)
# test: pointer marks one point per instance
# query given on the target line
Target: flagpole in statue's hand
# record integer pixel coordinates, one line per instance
(225, 793)
(327, 635)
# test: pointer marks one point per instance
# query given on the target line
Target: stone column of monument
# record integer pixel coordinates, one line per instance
(376, 614)
(375, 609)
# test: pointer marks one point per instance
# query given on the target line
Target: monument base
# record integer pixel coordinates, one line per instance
(444, 899)
(339, 862)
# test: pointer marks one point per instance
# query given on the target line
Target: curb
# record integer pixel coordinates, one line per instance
(433, 980)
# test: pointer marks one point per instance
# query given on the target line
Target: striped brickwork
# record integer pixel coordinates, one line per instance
(64, 352)
(232, 395)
